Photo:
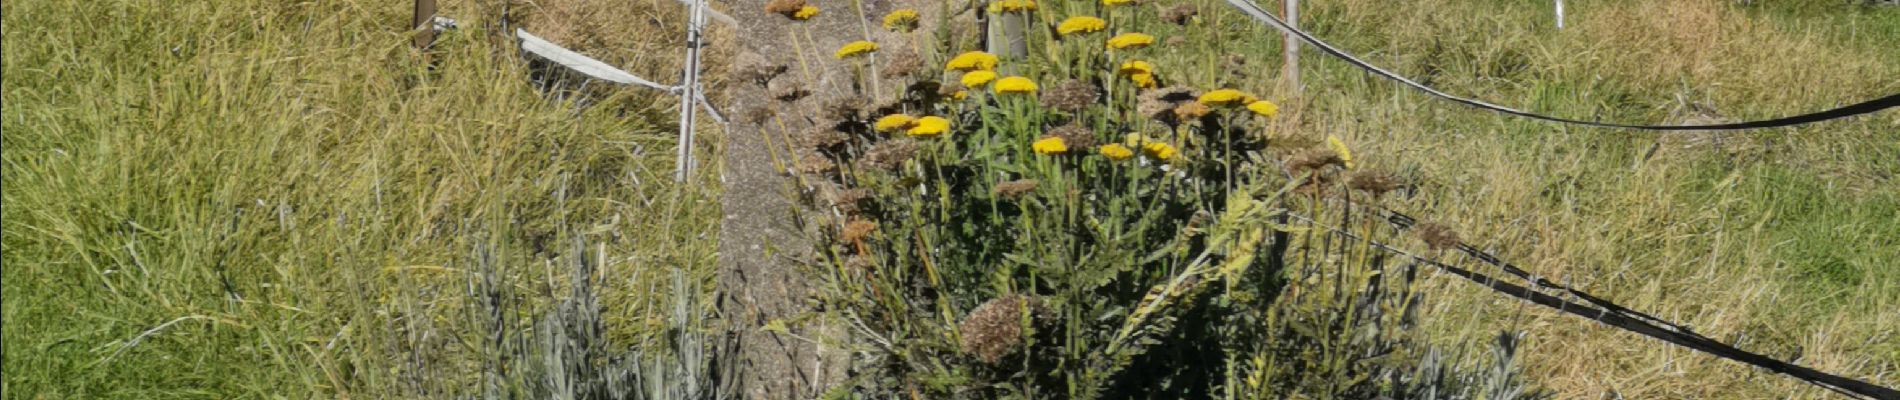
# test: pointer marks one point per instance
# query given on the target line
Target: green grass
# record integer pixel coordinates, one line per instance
(1777, 239)
(286, 197)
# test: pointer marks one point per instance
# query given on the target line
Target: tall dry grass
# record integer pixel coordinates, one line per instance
(1775, 240)
(264, 199)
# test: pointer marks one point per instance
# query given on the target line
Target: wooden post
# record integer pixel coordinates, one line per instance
(1290, 75)
(424, 19)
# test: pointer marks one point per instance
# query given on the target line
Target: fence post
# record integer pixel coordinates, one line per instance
(424, 20)
(1560, 14)
(1007, 37)
(689, 92)
(1290, 74)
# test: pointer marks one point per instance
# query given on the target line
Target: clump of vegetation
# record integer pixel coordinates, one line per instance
(259, 198)
(1082, 222)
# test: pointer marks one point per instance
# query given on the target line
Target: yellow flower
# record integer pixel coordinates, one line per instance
(1004, 6)
(929, 126)
(1113, 3)
(1050, 145)
(1116, 151)
(1345, 154)
(972, 61)
(1143, 81)
(1130, 41)
(1264, 108)
(978, 78)
(1082, 24)
(1225, 97)
(855, 48)
(1138, 71)
(903, 20)
(1132, 67)
(894, 122)
(805, 13)
(1160, 151)
(1015, 84)
(960, 95)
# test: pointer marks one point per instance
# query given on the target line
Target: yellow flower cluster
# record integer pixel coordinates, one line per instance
(931, 126)
(1152, 148)
(1160, 151)
(894, 122)
(1226, 97)
(1131, 40)
(855, 48)
(805, 13)
(978, 78)
(1140, 72)
(1083, 24)
(903, 20)
(1008, 6)
(1116, 151)
(1015, 84)
(972, 61)
(1050, 146)
(1264, 108)
(1112, 3)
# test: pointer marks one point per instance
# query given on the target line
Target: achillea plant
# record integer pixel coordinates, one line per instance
(1098, 237)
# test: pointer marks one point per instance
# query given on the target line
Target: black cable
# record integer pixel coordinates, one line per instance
(1869, 106)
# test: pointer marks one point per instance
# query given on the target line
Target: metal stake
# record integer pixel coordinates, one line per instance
(689, 92)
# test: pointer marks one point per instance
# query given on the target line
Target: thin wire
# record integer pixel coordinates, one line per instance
(1856, 109)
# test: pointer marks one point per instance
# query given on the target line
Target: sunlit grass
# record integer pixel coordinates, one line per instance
(259, 199)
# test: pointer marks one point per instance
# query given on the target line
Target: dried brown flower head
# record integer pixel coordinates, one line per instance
(846, 108)
(1376, 183)
(1014, 189)
(902, 64)
(950, 88)
(815, 164)
(849, 201)
(1180, 14)
(819, 138)
(1313, 159)
(1075, 135)
(1070, 95)
(857, 230)
(1159, 104)
(891, 154)
(994, 330)
(786, 7)
(1437, 236)
(1191, 110)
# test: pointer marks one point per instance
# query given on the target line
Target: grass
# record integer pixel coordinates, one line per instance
(282, 199)
(1774, 239)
